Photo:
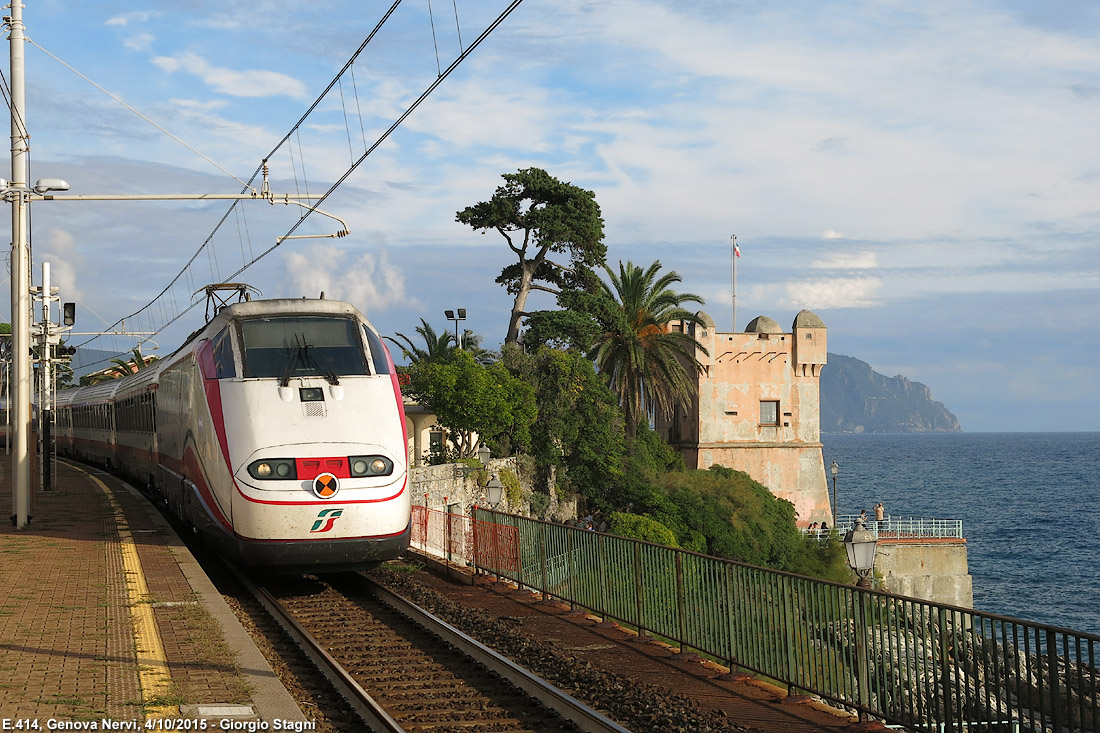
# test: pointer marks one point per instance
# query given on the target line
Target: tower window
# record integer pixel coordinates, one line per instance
(769, 412)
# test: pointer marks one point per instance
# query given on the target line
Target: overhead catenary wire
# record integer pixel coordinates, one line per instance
(292, 139)
(139, 114)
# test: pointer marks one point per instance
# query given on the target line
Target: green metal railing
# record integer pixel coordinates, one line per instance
(907, 661)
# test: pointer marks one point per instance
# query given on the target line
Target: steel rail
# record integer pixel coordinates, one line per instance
(565, 705)
(376, 718)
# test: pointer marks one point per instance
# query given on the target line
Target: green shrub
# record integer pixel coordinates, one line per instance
(513, 490)
(738, 517)
(641, 528)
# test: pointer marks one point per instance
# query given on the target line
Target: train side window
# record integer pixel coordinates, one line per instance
(223, 356)
(377, 352)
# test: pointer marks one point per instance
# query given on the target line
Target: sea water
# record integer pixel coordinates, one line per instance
(1029, 502)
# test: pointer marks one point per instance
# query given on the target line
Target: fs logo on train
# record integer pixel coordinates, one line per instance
(326, 485)
(325, 519)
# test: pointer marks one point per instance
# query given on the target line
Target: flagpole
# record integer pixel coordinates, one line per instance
(733, 291)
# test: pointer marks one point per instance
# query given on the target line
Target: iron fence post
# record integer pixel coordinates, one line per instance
(639, 602)
(945, 672)
(681, 611)
(447, 531)
(788, 618)
(476, 559)
(1052, 665)
(545, 582)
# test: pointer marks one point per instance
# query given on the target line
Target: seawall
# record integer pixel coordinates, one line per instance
(934, 569)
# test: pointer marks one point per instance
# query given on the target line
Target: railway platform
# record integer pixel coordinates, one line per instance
(107, 620)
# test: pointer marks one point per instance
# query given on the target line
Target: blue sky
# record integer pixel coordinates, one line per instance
(924, 176)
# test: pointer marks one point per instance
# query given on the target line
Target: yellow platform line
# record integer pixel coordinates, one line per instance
(153, 672)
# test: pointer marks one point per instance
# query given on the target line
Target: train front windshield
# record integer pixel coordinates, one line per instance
(302, 346)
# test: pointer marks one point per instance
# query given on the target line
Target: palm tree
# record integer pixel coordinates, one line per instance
(441, 345)
(648, 365)
(121, 368)
(471, 343)
(438, 345)
(126, 367)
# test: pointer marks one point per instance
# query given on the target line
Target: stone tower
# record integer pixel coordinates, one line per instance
(757, 408)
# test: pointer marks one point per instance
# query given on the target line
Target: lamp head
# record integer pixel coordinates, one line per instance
(45, 185)
(449, 314)
(494, 490)
(860, 545)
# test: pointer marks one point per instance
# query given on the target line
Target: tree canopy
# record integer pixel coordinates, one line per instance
(648, 364)
(540, 216)
(577, 441)
(475, 402)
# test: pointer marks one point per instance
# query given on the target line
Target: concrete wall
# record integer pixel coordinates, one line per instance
(725, 423)
(935, 570)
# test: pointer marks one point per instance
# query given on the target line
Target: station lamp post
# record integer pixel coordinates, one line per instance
(456, 316)
(860, 544)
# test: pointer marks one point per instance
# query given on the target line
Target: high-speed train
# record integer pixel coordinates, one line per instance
(277, 432)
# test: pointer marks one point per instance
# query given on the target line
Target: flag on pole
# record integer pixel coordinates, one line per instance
(736, 249)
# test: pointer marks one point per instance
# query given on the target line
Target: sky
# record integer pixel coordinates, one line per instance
(923, 176)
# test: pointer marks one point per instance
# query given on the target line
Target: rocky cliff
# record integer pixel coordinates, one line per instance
(857, 399)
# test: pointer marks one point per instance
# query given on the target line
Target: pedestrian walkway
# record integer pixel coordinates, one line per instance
(748, 702)
(105, 615)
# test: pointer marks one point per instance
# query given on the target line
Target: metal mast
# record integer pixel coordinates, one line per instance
(734, 254)
(20, 397)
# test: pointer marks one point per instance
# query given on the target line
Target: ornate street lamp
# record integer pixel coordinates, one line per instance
(860, 544)
(494, 490)
(483, 456)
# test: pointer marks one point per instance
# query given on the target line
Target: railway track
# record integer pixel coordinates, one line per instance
(402, 669)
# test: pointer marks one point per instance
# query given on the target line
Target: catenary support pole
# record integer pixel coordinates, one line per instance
(45, 413)
(20, 277)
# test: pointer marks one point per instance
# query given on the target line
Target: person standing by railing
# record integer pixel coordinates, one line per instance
(880, 514)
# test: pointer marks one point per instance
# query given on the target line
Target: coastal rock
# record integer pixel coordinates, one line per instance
(857, 399)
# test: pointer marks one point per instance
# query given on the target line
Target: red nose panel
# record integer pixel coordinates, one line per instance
(311, 468)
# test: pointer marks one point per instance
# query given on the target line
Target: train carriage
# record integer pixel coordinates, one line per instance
(277, 432)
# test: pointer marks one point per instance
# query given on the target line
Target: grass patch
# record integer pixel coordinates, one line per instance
(58, 700)
(402, 568)
(175, 697)
(210, 648)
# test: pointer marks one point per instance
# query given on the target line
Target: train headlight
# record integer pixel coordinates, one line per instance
(273, 468)
(370, 466)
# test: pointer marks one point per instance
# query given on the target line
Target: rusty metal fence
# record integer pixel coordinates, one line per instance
(442, 533)
(909, 662)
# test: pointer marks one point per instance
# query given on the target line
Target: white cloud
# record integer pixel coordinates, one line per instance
(850, 292)
(866, 260)
(137, 16)
(65, 260)
(139, 42)
(253, 83)
(370, 282)
(832, 234)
